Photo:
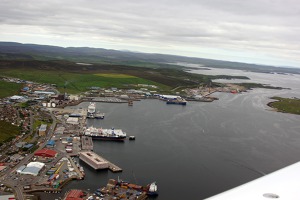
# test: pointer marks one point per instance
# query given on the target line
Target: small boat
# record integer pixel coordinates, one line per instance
(152, 190)
(131, 137)
(99, 115)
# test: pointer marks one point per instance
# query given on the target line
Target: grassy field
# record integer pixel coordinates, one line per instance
(77, 82)
(78, 78)
(115, 75)
(9, 89)
(286, 105)
(7, 131)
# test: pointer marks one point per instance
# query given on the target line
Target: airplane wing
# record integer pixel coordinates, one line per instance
(283, 184)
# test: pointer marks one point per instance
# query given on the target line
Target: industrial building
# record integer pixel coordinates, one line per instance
(72, 120)
(32, 168)
(46, 153)
(74, 195)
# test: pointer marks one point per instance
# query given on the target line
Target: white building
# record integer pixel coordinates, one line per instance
(33, 168)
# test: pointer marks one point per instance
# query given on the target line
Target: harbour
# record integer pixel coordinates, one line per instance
(165, 146)
(205, 124)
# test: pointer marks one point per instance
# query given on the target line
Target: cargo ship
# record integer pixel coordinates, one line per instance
(105, 134)
(118, 185)
(178, 100)
(150, 189)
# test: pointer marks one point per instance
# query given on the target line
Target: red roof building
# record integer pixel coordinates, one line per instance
(45, 153)
(75, 195)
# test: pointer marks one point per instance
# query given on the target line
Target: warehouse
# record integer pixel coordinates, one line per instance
(46, 153)
(33, 168)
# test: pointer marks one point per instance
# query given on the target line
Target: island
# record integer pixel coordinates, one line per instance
(286, 105)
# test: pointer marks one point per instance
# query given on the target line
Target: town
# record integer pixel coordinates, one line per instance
(43, 155)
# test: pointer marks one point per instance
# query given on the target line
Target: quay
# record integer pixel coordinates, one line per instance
(97, 162)
(105, 99)
(87, 143)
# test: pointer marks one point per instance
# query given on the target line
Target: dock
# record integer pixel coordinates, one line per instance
(107, 100)
(87, 143)
(98, 162)
(114, 168)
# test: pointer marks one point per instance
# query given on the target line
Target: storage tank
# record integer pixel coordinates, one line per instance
(53, 105)
(44, 104)
(49, 105)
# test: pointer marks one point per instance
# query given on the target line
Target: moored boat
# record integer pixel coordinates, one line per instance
(91, 110)
(178, 100)
(105, 134)
(131, 137)
(152, 189)
(99, 115)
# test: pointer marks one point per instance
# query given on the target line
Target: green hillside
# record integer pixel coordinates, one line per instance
(9, 89)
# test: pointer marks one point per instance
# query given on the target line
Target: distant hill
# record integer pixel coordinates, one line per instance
(18, 51)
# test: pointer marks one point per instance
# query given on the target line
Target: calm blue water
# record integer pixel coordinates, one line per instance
(198, 150)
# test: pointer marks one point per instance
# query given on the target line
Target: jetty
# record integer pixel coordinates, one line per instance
(98, 162)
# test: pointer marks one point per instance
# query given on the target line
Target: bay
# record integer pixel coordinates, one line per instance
(198, 150)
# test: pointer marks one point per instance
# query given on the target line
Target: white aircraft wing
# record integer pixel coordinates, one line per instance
(283, 184)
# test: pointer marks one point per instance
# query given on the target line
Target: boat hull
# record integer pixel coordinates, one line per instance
(109, 138)
(178, 103)
(152, 194)
(99, 117)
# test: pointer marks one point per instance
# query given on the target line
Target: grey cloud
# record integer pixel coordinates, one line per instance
(256, 25)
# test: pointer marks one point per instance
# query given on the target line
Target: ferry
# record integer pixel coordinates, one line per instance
(178, 100)
(105, 134)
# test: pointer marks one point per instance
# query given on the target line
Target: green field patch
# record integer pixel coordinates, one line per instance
(287, 105)
(9, 89)
(116, 75)
(7, 131)
(73, 82)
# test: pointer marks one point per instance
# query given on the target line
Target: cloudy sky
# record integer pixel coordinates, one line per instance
(253, 31)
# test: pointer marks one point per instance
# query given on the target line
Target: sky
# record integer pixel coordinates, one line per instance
(251, 31)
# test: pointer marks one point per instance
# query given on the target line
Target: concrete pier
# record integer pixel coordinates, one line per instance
(93, 160)
(97, 162)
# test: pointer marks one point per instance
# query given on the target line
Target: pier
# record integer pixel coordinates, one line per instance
(87, 143)
(98, 162)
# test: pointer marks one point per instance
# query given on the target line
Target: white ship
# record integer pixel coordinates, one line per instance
(91, 110)
(105, 134)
